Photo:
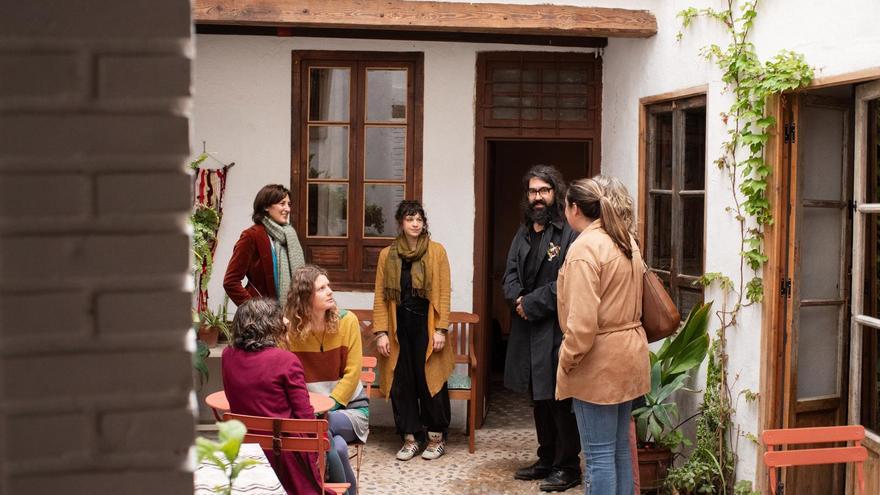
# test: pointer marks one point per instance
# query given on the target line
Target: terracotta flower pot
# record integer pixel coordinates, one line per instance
(653, 466)
(209, 335)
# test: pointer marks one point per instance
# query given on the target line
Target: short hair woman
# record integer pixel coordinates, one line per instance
(262, 380)
(411, 317)
(267, 252)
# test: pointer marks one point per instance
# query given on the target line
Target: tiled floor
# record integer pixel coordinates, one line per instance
(505, 443)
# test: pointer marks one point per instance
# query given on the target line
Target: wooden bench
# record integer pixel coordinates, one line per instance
(462, 336)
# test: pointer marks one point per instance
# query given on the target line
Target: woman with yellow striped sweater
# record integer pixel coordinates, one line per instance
(328, 343)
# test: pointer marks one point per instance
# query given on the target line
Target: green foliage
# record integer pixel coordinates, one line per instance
(224, 453)
(194, 165)
(373, 215)
(711, 467)
(657, 422)
(200, 362)
(219, 320)
(710, 464)
(205, 222)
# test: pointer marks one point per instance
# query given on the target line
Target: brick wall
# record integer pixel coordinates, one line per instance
(95, 375)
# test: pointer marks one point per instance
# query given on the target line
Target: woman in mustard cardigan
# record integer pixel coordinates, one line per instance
(411, 317)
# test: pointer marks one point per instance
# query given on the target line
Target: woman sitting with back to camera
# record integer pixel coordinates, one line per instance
(262, 380)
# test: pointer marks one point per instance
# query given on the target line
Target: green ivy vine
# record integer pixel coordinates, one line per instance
(712, 466)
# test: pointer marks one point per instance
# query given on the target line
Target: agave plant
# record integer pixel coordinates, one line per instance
(657, 421)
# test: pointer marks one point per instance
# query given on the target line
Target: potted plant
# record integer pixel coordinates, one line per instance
(213, 324)
(657, 421)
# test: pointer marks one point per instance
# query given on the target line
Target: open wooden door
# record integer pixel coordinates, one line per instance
(864, 371)
(818, 130)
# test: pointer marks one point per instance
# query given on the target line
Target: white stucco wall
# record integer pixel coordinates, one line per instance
(836, 38)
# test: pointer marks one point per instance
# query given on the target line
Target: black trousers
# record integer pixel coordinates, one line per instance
(558, 438)
(415, 410)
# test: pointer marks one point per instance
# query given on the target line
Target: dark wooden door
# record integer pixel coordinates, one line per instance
(509, 161)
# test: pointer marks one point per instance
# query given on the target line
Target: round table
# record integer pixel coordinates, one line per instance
(220, 404)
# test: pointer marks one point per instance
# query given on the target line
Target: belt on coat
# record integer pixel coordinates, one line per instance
(619, 328)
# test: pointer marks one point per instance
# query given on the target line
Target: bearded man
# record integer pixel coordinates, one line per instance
(536, 253)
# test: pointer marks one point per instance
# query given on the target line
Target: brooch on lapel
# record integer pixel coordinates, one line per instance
(552, 251)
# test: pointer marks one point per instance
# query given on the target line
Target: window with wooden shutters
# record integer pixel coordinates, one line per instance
(675, 196)
(541, 90)
(356, 154)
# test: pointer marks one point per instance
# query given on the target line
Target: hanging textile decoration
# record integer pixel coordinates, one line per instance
(208, 188)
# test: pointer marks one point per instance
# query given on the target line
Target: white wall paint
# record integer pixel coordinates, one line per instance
(836, 38)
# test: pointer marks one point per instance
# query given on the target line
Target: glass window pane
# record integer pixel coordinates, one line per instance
(380, 203)
(573, 75)
(820, 251)
(687, 299)
(386, 95)
(328, 210)
(385, 153)
(822, 142)
(329, 91)
(695, 148)
(692, 236)
(817, 351)
(328, 152)
(505, 75)
(661, 232)
(504, 113)
(872, 266)
(870, 392)
(662, 166)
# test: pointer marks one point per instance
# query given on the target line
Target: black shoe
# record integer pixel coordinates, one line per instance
(560, 480)
(536, 471)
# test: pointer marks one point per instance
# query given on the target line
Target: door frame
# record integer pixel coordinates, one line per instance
(484, 134)
(774, 314)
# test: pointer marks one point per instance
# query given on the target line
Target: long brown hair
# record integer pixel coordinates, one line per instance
(620, 199)
(591, 199)
(298, 308)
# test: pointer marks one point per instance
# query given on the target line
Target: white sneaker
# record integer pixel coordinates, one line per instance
(410, 448)
(436, 446)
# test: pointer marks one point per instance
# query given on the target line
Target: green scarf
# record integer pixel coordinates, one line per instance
(288, 252)
(421, 277)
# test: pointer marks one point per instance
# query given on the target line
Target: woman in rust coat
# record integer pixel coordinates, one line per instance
(267, 253)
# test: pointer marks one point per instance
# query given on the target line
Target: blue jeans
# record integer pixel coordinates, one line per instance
(341, 432)
(604, 431)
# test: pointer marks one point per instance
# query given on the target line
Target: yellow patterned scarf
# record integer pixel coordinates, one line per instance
(421, 277)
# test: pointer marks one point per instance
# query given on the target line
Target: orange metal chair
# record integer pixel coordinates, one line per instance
(775, 459)
(368, 377)
(272, 434)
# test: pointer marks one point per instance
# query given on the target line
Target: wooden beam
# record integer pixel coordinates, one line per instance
(405, 15)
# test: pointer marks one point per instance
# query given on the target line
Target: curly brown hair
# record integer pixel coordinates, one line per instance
(298, 308)
(257, 325)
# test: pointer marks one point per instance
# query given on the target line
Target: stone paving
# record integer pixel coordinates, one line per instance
(506, 442)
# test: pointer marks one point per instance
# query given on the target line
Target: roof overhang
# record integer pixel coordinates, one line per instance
(445, 21)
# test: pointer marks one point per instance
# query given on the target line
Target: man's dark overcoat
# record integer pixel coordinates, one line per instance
(533, 346)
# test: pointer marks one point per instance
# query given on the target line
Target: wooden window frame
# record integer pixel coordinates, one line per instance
(674, 102)
(351, 260)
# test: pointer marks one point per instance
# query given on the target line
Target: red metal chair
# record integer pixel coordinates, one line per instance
(775, 459)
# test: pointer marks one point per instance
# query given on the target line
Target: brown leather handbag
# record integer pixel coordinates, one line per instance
(660, 317)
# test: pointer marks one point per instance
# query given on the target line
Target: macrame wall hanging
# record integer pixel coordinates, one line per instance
(209, 185)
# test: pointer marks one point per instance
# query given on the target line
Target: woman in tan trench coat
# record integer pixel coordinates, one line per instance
(603, 360)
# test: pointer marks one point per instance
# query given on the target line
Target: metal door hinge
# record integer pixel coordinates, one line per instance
(785, 287)
(789, 132)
